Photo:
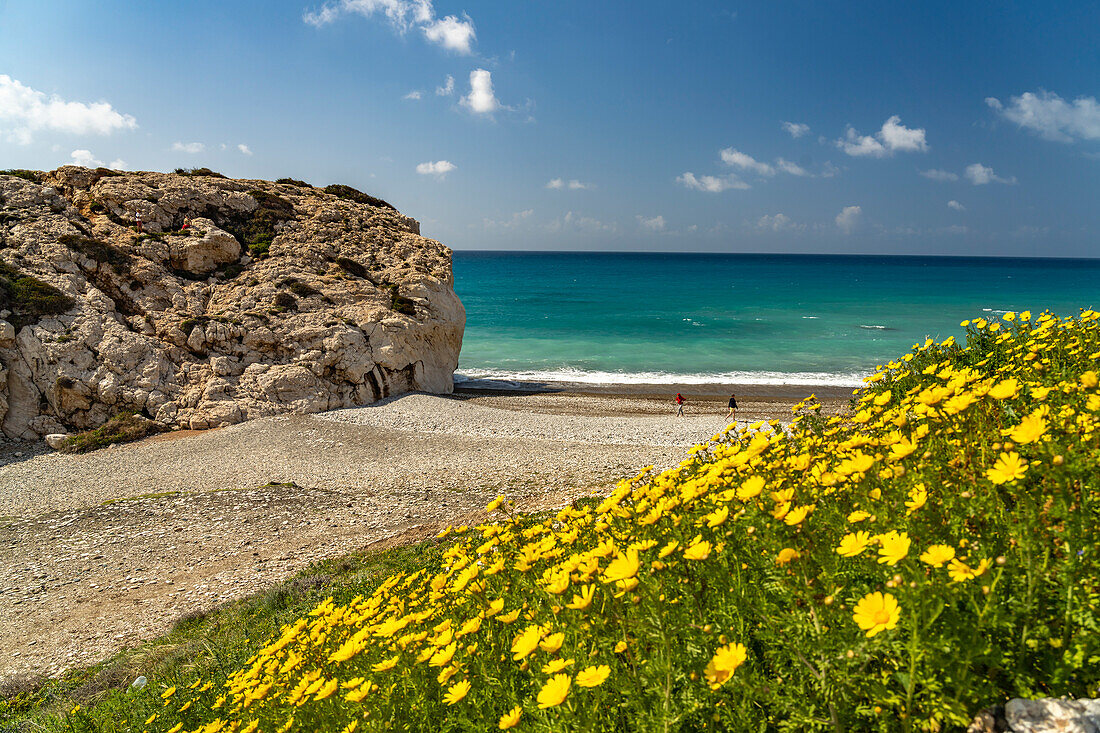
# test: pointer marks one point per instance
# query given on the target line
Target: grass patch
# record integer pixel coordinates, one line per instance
(352, 267)
(101, 252)
(139, 497)
(294, 182)
(29, 298)
(123, 428)
(352, 194)
(33, 176)
(202, 644)
(198, 172)
(189, 324)
(299, 288)
(399, 302)
(229, 272)
(257, 230)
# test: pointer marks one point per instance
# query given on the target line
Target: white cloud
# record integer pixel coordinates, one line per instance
(1051, 116)
(711, 184)
(572, 221)
(401, 13)
(796, 129)
(938, 175)
(953, 204)
(778, 223)
(516, 219)
(438, 168)
(892, 138)
(25, 111)
(85, 158)
(572, 184)
(896, 136)
(191, 148)
(980, 175)
(738, 159)
(449, 32)
(653, 224)
(118, 164)
(414, 94)
(848, 218)
(452, 34)
(858, 145)
(481, 99)
(788, 167)
(245, 150)
(448, 87)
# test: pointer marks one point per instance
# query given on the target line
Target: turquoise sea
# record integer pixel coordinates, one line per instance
(622, 318)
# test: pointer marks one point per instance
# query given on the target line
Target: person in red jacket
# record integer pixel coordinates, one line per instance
(679, 404)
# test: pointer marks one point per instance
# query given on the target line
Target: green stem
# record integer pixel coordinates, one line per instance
(911, 686)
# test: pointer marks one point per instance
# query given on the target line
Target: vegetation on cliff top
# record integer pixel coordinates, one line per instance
(33, 176)
(198, 172)
(351, 194)
(898, 568)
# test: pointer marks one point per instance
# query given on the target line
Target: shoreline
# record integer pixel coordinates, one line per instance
(710, 391)
(755, 401)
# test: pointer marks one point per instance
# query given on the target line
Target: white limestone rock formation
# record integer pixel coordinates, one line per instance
(277, 297)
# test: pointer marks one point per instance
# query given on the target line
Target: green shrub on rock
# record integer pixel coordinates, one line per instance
(351, 194)
(33, 176)
(123, 428)
(101, 252)
(28, 297)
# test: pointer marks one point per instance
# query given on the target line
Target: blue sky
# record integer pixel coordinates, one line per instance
(915, 128)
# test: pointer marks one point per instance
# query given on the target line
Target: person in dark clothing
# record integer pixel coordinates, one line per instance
(733, 408)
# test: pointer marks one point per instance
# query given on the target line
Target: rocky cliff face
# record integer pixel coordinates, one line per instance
(275, 298)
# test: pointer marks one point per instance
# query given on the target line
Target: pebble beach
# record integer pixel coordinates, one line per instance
(102, 550)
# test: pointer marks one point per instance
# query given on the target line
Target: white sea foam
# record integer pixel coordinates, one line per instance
(520, 379)
(874, 327)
